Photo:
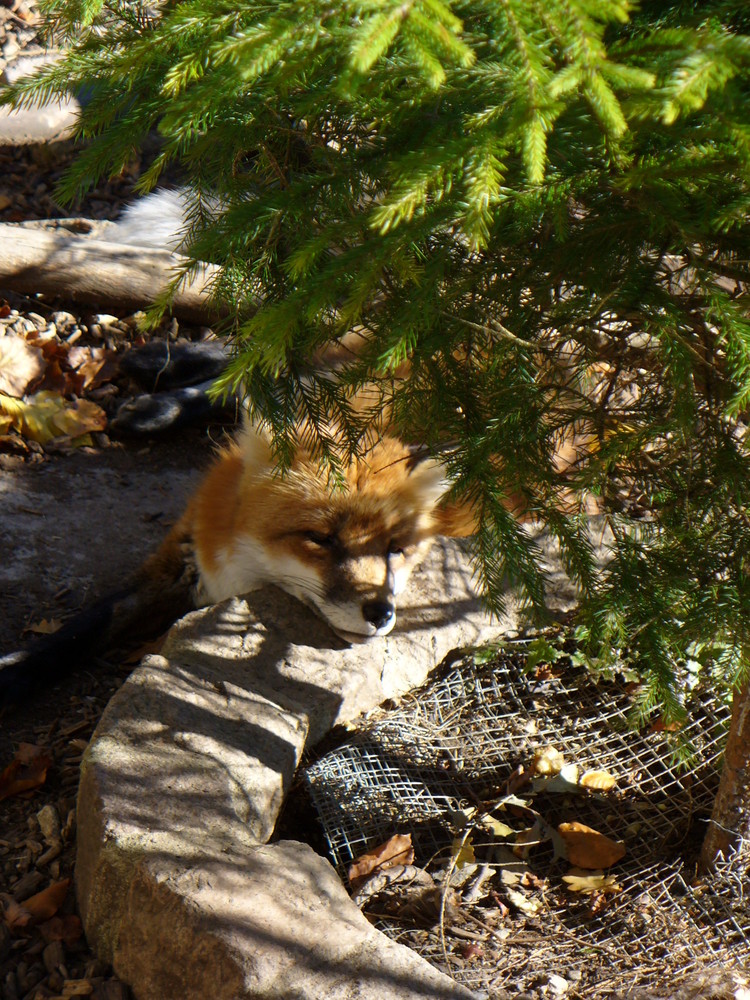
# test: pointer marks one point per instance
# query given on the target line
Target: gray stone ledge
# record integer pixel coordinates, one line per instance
(182, 784)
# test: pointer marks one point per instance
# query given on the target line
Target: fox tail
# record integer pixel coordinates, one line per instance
(162, 591)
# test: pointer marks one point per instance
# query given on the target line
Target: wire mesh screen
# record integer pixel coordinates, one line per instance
(455, 747)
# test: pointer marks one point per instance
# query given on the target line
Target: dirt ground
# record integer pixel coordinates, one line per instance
(73, 522)
(74, 525)
(71, 527)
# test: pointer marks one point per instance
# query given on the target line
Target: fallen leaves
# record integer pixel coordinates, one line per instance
(588, 883)
(27, 771)
(40, 907)
(598, 781)
(41, 380)
(36, 909)
(662, 726)
(462, 852)
(397, 850)
(47, 415)
(555, 775)
(587, 848)
(47, 626)
(21, 364)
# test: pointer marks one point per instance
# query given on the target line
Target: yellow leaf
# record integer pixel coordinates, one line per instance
(600, 781)
(463, 852)
(80, 418)
(47, 415)
(10, 406)
(496, 828)
(46, 626)
(591, 883)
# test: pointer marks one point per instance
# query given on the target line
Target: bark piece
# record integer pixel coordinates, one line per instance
(729, 828)
(112, 275)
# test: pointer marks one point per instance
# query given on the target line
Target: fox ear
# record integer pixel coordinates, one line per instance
(254, 442)
(429, 481)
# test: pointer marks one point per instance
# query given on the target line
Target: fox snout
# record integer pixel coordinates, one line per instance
(358, 597)
(379, 614)
(357, 623)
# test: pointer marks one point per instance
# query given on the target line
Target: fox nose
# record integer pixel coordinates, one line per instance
(378, 613)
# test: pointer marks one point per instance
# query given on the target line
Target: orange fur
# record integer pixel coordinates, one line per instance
(346, 550)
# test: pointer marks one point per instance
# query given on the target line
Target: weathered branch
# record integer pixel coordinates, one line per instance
(107, 275)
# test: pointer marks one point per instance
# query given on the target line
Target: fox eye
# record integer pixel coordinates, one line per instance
(320, 539)
(396, 549)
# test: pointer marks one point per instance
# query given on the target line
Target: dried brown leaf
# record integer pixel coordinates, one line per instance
(28, 770)
(46, 903)
(397, 850)
(21, 364)
(67, 929)
(37, 908)
(587, 848)
(47, 626)
(660, 726)
(94, 365)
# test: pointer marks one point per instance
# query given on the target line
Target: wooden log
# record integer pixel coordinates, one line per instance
(106, 275)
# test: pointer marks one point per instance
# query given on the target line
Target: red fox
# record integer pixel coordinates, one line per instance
(346, 552)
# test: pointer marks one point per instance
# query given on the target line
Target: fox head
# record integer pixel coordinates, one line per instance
(346, 552)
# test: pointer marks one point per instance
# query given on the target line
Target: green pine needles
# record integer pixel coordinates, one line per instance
(542, 204)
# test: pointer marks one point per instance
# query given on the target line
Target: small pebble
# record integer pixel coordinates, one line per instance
(63, 320)
(557, 985)
(40, 322)
(24, 325)
(49, 823)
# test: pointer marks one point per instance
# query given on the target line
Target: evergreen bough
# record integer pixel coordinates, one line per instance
(541, 204)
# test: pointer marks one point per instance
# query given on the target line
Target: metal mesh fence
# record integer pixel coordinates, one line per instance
(454, 745)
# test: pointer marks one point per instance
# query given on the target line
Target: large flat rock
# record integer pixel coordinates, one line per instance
(184, 778)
